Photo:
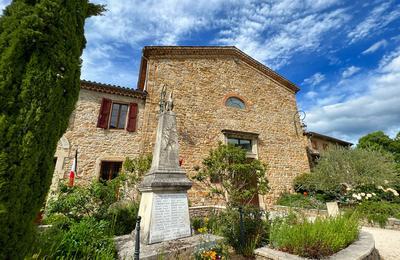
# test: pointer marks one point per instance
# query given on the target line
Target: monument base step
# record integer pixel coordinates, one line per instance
(174, 249)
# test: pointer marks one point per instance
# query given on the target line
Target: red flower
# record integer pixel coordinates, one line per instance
(305, 194)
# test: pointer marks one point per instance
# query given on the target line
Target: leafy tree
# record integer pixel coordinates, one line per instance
(356, 168)
(133, 172)
(380, 141)
(41, 42)
(232, 176)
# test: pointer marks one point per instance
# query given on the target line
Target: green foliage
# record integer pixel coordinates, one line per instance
(378, 211)
(380, 141)
(255, 229)
(238, 177)
(78, 202)
(41, 43)
(339, 168)
(86, 239)
(134, 170)
(100, 200)
(123, 217)
(321, 238)
(301, 201)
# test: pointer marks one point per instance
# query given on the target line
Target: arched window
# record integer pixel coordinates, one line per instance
(235, 102)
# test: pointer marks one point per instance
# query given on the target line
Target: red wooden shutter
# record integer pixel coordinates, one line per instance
(132, 117)
(104, 114)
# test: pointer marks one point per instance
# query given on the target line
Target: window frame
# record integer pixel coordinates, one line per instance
(119, 114)
(250, 150)
(241, 100)
(110, 173)
(253, 137)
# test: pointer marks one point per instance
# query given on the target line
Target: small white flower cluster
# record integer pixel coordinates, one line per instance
(362, 195)
(395, 193)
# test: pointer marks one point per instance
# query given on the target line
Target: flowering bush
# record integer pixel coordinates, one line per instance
(211, 251)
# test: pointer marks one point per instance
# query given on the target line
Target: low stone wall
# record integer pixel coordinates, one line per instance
(362, 249)
(392, 223)
(284, 210)
(169, 250)
(277, 210)
(204, 211)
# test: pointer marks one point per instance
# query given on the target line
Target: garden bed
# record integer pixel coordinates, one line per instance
(363, 248)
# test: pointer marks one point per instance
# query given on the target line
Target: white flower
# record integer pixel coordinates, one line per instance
(354, 195)
(395, 193)
(380, 187)
(358, 197)
(373, 194)
(369, 195)
(386, 181)
(362, 194)
(348, 189)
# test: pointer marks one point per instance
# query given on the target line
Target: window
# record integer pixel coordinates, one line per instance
(243, 143)
(314, 145)
(118, 115)
(235, 102)
(109, 170)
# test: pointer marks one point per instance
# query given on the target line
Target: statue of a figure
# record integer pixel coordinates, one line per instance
(162, 98)
(170, 103)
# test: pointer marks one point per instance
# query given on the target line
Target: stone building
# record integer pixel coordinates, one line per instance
(319, 142)
(221, 95)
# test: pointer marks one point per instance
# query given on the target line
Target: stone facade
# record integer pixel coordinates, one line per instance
(317, 143)
(201, 83)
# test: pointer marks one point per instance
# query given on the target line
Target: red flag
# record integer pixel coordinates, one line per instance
(72, 173)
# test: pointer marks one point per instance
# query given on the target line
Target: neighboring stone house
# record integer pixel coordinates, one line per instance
(319, 142)
(220, 94)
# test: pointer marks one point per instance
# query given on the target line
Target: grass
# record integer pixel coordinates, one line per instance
(321, 238)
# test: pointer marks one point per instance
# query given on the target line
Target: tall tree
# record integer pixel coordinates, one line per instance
(380, 141)
(41, 42)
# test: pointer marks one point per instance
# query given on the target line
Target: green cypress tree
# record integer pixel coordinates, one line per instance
(41, 42)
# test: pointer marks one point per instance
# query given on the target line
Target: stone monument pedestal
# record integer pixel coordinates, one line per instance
(164, 203)
(165, 216)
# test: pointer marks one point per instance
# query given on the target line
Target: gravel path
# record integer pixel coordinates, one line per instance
(386, 241)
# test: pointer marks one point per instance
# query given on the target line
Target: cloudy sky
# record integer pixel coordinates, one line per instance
(344, 55)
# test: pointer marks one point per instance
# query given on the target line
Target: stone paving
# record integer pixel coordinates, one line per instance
(386, 241)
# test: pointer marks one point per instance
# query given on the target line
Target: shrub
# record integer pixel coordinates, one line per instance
(123, 216)
(229, 174)
(255, 230)
(378, 211)
(301, 201)
(315, 240)
(87, 239)
(340, 168)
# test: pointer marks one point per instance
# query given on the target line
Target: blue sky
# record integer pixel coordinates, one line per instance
(344, 55)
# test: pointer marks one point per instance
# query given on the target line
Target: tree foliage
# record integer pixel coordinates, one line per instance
(232, 176)
(41, 42)
(339, 168)
(381, 142)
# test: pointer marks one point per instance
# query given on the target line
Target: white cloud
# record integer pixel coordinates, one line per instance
(374, 47)
(350, 71)
(379, 17)
(311, 94)
(314, 79)
(373, 106)
(275, 32)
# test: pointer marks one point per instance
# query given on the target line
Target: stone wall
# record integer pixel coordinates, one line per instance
(95, 144)
(201, 85)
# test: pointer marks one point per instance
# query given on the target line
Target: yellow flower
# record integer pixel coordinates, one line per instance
(202, 230)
